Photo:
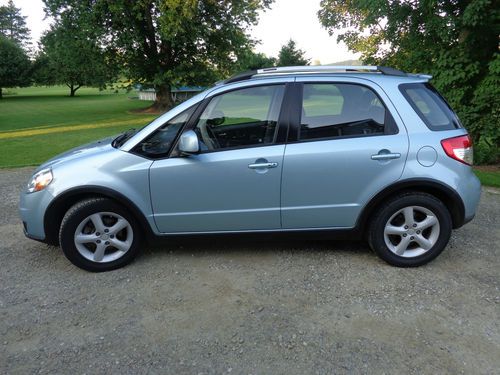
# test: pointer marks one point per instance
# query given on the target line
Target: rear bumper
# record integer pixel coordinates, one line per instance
(468, 220)
(469, 189)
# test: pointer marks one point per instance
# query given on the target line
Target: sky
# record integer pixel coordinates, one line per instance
(33, 9)
(296, 19)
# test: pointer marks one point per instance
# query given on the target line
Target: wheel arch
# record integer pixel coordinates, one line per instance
(60, 205)
(444, 193)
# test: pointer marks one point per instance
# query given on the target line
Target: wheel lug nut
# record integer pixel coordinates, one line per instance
(106, 243)
(406, 226)
(418, 232)
(98, 241)
(411, 238)
(414, 225)
(404, 234)
(111, 236)
(106, 230)
(97, 233)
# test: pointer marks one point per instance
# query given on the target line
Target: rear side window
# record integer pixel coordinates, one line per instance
(434, 111)
(332, 110)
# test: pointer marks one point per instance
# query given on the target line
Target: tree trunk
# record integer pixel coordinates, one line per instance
(163, 100)
(73, 89)
(1, 93)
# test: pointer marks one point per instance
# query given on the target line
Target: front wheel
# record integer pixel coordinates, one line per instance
(99, 235)
(410, 230)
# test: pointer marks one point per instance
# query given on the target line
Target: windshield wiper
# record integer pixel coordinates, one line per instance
(122, 138)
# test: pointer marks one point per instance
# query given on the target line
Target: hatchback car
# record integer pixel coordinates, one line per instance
(364, 151)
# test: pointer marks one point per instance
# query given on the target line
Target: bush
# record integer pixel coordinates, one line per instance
(485, 153)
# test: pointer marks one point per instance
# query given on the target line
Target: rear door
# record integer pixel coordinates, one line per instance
(346, 143)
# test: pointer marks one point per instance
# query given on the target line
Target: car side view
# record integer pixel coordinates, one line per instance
(353, 150)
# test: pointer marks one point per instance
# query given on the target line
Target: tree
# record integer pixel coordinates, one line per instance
(249, 60)
(68, 56)
(13, 25)
(14, 65)
(290, 55)
(167, 42)
(456, 41)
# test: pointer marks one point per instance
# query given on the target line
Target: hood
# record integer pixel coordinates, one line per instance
(86, 150)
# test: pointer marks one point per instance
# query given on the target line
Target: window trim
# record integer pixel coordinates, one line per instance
(404, 86)
(390, 125)
(281, 125)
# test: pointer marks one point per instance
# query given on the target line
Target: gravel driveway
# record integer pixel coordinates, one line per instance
(282, 307)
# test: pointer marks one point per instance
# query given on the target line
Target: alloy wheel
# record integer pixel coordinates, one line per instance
(103, 237)
(411, 231)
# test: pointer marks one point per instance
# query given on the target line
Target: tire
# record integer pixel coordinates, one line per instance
(402, 242)
(86, 247)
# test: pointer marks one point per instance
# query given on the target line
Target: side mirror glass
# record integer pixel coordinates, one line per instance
(188, 143)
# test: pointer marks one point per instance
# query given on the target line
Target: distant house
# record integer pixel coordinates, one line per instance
(178, 94)
(147, 94)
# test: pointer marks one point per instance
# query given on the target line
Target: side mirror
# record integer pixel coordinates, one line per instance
(188, 143)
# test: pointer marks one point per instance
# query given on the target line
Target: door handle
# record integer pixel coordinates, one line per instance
(387, 156)
(262, 165)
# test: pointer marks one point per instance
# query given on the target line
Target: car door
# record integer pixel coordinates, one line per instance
(346, 144)
(233, 183)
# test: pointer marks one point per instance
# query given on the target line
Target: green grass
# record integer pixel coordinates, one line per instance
(488, 178)
(35, 108)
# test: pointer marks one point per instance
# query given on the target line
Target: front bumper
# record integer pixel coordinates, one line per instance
(32, 207)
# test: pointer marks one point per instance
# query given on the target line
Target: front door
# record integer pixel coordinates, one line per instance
(233, 184)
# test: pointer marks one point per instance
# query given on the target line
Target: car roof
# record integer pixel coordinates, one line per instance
(374, 73)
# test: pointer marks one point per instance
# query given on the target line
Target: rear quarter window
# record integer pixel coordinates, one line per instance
(431, 107)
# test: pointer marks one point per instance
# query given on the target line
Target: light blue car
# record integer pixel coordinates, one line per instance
(370, 152)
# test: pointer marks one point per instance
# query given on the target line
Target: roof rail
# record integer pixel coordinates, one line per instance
(316, 68)
(240, 76)
(333, 68)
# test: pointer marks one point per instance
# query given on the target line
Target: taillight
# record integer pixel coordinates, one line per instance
(459, 148)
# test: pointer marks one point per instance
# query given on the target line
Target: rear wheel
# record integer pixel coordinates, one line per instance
(99, 235)
(410, 229)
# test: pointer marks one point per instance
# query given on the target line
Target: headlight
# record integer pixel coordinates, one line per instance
(40, 180)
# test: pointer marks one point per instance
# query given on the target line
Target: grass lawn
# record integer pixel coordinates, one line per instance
(488, 177)
(30, 120)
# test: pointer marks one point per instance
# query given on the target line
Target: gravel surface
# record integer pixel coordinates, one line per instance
(280, 307)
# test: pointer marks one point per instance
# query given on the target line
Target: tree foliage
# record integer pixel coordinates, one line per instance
(15, 66)
(456, 41)
(290, 55)
(166, 42)
(250, 60)
(71, 57)
(13, 25)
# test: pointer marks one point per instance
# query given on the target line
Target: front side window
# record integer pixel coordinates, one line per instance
(340, 110)
(159, 143)
(240, 118)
